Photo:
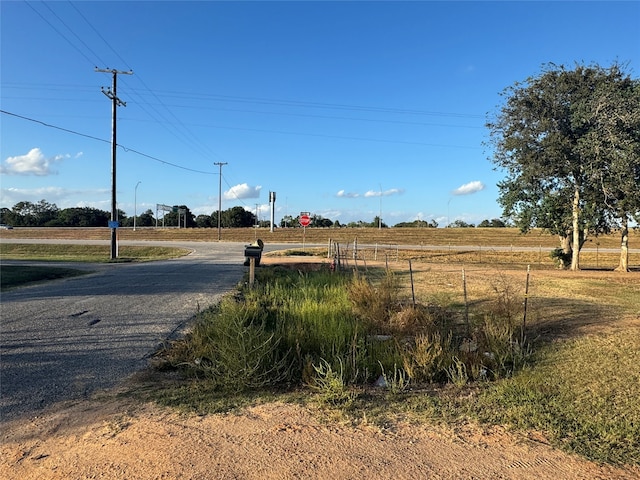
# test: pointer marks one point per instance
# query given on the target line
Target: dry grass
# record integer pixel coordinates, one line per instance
(495, 246)
(504, 237)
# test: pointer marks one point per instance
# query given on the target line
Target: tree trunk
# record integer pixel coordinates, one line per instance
(624, 248)
(575, 213)
(565, 246)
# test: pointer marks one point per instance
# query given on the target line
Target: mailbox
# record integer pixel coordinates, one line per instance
(253, 251)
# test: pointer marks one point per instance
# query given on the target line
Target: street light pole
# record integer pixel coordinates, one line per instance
(135, 205)
(380, 215)
(220, 164)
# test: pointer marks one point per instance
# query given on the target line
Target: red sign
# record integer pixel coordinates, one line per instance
(305, 220)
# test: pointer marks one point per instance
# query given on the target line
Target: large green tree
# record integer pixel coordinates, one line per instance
(614, 146)
(82, 217)
(180, 217)
(565, 139)
(28, 214)
(235, 217)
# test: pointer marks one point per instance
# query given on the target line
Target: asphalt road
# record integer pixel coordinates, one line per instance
(66, 339)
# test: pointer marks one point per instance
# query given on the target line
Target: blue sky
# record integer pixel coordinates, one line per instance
(344, 109)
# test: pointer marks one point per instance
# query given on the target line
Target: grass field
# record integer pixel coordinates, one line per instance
(580, 388)
(85, 253)
(385, 236)
(598, 253)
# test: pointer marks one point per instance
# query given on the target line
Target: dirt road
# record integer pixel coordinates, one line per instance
(112, 437)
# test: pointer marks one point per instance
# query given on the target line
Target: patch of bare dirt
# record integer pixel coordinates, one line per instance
(112, 437)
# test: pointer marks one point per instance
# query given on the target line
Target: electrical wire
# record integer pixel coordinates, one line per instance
(59, 33)
(126, 149)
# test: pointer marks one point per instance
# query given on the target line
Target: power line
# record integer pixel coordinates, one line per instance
(184, 134)
(310, 104)
(60, 33)
(73, 32)
(287, 103)
(126, 149)
(54, 126)
(101, 37)
(341, 137)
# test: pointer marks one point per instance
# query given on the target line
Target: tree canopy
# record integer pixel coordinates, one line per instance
(568, 141)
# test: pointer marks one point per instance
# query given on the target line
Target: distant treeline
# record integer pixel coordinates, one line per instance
(45, 214)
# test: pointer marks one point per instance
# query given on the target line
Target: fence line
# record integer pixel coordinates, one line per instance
(468, 255)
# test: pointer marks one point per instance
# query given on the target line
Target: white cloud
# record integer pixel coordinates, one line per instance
(370, 193)
(241, 191)
(469, 188)
(384, 193)
(32, 163)
(62, 197)
(343, 194)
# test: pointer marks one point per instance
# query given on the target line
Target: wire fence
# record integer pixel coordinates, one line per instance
(354, 255)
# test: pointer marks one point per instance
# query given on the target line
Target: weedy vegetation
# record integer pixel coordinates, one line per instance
(354, 344)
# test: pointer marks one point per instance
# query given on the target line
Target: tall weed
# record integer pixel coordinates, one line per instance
(235, 349)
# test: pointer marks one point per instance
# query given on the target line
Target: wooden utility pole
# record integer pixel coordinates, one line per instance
(110, 92)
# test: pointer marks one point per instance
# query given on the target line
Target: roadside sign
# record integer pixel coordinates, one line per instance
(305, 220)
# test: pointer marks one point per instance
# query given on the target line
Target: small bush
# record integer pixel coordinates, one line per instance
(398, 383)
(427, 357)
(331, 385)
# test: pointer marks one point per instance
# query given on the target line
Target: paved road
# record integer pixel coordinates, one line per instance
(69, 338)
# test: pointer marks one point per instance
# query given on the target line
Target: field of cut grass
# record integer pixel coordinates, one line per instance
(386, 236)
(85, 253)
(486, 245)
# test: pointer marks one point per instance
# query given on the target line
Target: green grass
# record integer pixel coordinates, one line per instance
(583, 394)
(12, 276)
(85, 253)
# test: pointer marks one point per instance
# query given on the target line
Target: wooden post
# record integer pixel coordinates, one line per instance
(413, 293)
(466, 303)
(526, 297)
(252, 270)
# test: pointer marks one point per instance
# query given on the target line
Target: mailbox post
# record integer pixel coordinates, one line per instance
(252, 255)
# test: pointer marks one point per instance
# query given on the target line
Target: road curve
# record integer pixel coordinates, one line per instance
(66, 339)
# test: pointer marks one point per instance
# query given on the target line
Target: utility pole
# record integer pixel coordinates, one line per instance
(220, 164)
(110, 92)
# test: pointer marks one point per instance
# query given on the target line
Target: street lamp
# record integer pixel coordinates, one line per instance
(135, 205)
(380, 215)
